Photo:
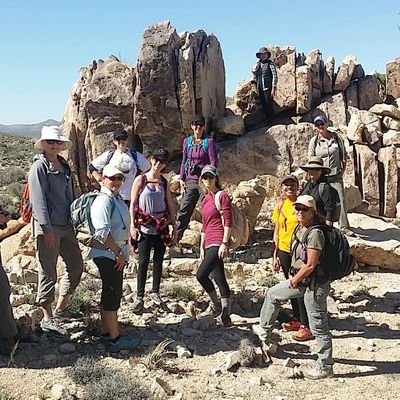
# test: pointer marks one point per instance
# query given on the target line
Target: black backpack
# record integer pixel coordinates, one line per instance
(335, 262)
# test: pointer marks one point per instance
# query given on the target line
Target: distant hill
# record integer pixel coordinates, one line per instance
(28, 130)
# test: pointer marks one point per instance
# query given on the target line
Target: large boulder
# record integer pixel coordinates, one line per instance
(315, 63)
(304, 90)
(344, 73)
(386, 110)
(391, 123)
(334, 108)
(391, 137)
(393, 80)
(387, 156)
(229, 125)
(329, 75)
(368, 92)
(18, 244)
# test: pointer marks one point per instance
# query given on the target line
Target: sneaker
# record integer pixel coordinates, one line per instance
(319, 373)
(137, 306)
(66, 315)
(104, 338)
(213, 310)
(303, 334)
(260, 332)
(123, 343)
(224, 318)
(156, 299)
(52, 325)
(348, 232)
(291, 326)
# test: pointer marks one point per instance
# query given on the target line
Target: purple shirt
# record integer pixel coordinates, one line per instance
(197, 159)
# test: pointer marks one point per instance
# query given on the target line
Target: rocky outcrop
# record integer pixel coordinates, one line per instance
(393, 80)
(345, 73)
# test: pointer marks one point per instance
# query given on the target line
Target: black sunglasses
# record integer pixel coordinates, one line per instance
(54, 142)
(304, 209)
(116, 178)
(197, 123)
(319, 125)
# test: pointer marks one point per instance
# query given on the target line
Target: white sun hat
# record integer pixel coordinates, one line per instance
(53, 133)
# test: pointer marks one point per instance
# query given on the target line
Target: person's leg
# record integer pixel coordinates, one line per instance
(315, 302)
(158, 258)
(8, 328)
(144, 246)
(188, 204)
(269, 110)
(72, 256)
(337, 184)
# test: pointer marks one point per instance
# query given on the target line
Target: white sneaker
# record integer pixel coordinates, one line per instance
(319, 373)
(137, 305)
(260, 332)
(156, 299)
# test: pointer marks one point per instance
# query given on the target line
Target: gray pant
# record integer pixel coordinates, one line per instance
(336, 181)
(188, 203)
(8, 328)
(315, 302)
(66, 245)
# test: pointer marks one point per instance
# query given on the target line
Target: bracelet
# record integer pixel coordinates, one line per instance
(225, 243)
(117, 254)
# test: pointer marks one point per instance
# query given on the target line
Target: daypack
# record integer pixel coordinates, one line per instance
(82, 221)
(335, 262)
(240, 225)
(25, 205)
(336, 212)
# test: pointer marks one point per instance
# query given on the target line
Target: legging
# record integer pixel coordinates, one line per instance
(145, 244)
(298, 307)
(214, 266)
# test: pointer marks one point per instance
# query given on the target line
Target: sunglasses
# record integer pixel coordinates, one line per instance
(319, 125)
(116, 178)
(303, 209)
(59, 142)
(208, 177)
(197, 123)
(160, 160)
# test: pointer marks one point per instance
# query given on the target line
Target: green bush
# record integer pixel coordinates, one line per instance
(181, 292)
(86, 370)
(12, 174)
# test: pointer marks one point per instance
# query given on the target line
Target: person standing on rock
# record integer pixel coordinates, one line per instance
(51, 194)
(152, 214)
(330, 147)
(308, 245)
(198, 151)
(8, 329)
(266, 79)
(138, 163)
(215, 235)
(111, 221)
(285, 219)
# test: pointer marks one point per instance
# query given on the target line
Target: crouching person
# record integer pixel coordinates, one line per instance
(304, 280)
(111, 221)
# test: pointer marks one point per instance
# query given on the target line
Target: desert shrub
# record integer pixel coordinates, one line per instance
(12, 174)
(86, 370)
(29, 298)
(5, 395)
(181, 292)
(156, 358)
(267, 281)
(113, 386)
(246, 350)
(15, 189)
(81, 299)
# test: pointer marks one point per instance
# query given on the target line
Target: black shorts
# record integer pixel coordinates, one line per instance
(111, 291)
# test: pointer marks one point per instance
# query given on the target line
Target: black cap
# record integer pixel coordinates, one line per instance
(161, 153)
(263, 50)
(198, 118)
(120, 134)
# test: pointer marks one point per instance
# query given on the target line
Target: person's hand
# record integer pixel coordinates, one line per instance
(134, 233)
(222, 251)
(120, 262)
(174, 235)
(291, 284)
(276, 264)
(273, 91)
(183, 185)
(49, 239)
(201, 253)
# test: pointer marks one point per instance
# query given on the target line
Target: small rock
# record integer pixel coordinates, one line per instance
(232, 359)
(161, 388)
(176, 308)
(355, 346)
(341, 380)
(270, 348)
(370, 343)
(60, 392)
(67, 348)
(256, 381)
(183, 352)
(384, 326)
(289, 363)
(216, 372)
(177, 396)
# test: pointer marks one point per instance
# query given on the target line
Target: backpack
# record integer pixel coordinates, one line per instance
(336, 213)
(82, 221)
(240, 225)
(25, 206)
(335, 262)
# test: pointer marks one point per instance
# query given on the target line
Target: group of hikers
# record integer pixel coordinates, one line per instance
(133, 212)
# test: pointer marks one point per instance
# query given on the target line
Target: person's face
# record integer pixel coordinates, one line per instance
(315, 174)
(263, 56)
(198, 128)
(114, 183)
(52, 147)
(208, 181)
(158, 163)
(320, 127)
(121, 144)
(289, 188)
(304, 214)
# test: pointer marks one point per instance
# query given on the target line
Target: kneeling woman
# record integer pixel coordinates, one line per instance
(110, 219)
(307, 247)
(214, 244)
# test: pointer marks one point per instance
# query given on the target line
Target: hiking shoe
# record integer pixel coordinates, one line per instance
(123, 343)
(137, 306)
(348, 232)
(291, 326)
(52, 325)
(260, 332)
(213, 310)
(303, 334)
(104, 338)
(224, 320)
(319, 373)
(156, 299)
(66, 315)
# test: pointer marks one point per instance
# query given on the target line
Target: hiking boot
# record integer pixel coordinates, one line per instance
(303, 334)
(224, 318)
(291, 326)
(319, 373)
(156, 299)
(52, 325)
(137, 306)
(66, 315)
(260, 332)
(213, 310)
(123, 343)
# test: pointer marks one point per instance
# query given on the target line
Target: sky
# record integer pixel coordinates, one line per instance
(44, 43)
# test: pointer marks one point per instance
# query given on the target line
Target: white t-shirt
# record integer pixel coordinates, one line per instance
(101, 161)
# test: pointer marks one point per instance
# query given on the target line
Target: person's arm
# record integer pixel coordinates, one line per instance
(97, 165)
(182, 171)
(202, 241)
(134, 199)
(343, 153)
(311, 147)
(171, 212)
(212, 152)
(328, 199)
(226, 213)
(275, 218)
(143, 164)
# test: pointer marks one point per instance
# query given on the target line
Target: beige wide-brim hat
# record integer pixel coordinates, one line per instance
(316, 163)
(53, 133)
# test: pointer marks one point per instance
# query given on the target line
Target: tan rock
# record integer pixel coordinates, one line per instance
(344, 74)
(355, 128)
(13, 226)
(368, 92)
(393, 79)
(18, 244)
(387, 156)
(183, 266)
(334, 108)
(230, 125)
(351, 93)
(303, 89)
(391, 137)
(314, 61)
(329, 75)
(391, 123)
(353, 197)
(386, 110)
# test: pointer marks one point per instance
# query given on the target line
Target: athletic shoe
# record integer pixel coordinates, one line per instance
(137, 306)
(66, 315)
(224, 318)
(260, 332)
(156, 299)
(123, 343)
(213, 310)
(52, 325)
(291, 326)
(348, 232)
(319, 373)
(303, 334)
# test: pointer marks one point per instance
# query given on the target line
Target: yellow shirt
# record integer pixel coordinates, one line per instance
(287, 223)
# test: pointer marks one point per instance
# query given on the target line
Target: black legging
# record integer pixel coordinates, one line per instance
(145, 244)
(214, 266)
(298, 307)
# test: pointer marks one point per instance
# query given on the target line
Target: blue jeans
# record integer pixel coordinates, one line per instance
(315, 302)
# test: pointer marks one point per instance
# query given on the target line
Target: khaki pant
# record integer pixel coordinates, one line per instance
(8, 328)
(66, 245)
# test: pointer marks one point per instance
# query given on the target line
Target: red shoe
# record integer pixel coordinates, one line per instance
(303, 334)
(291, 326)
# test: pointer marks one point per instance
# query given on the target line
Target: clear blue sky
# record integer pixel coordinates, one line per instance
(43, 43)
